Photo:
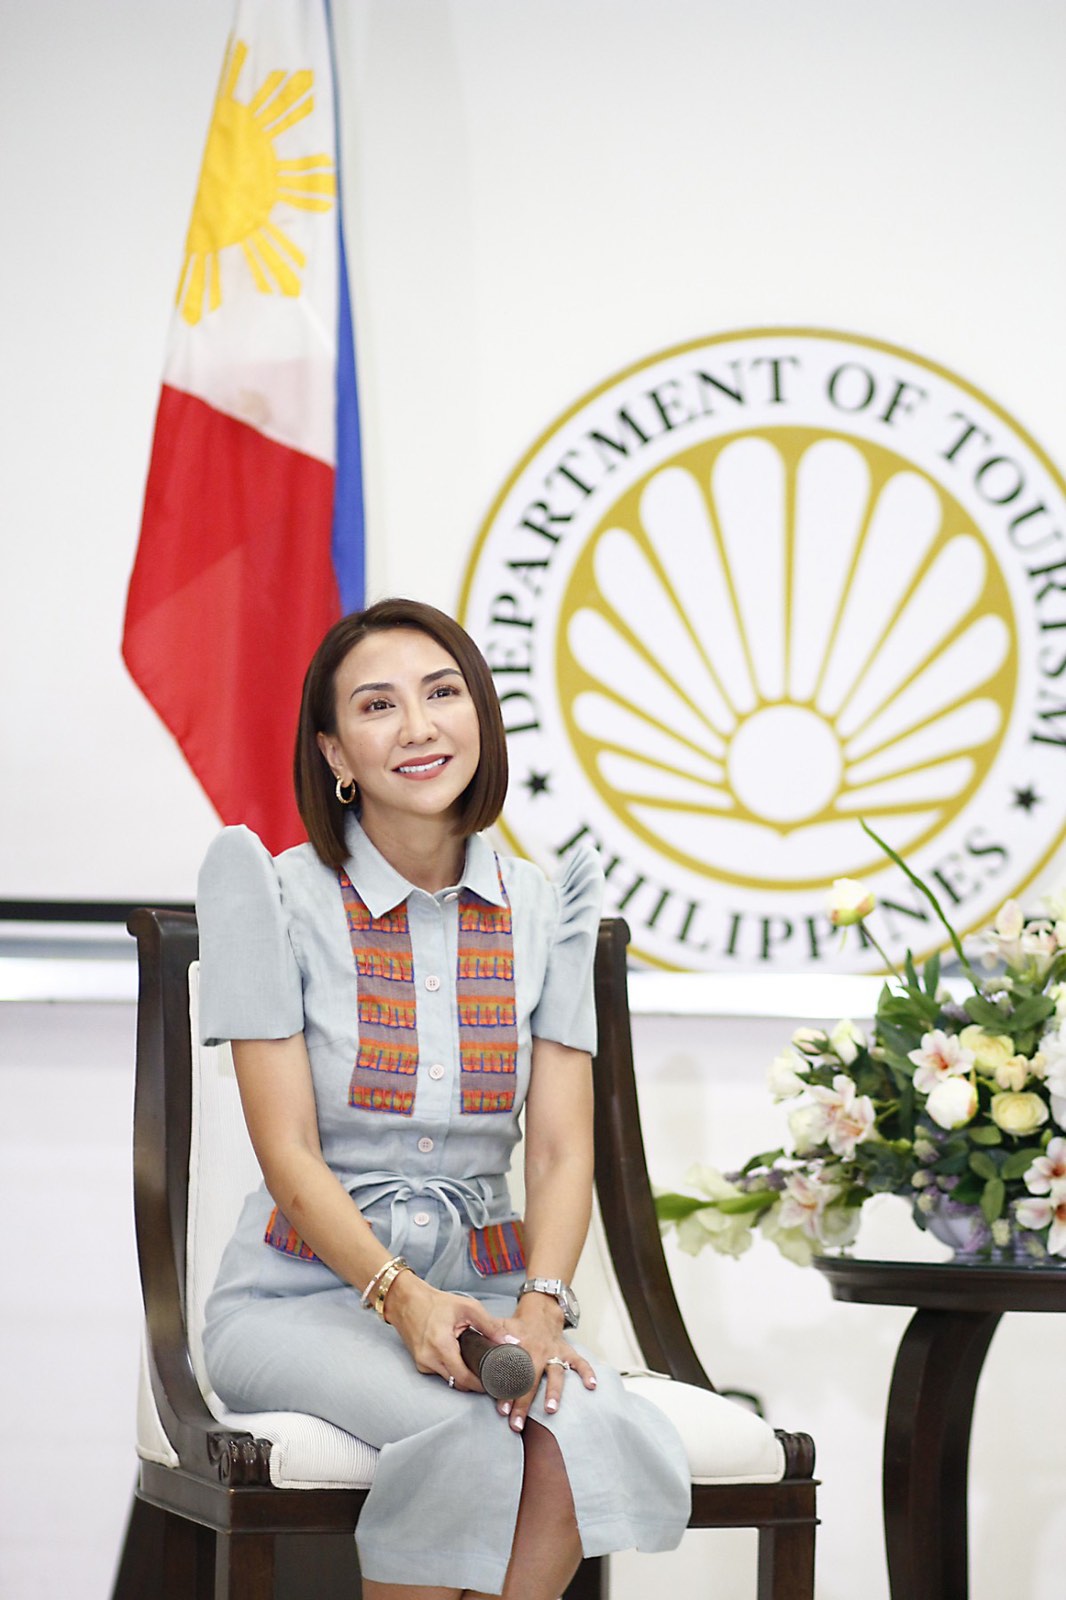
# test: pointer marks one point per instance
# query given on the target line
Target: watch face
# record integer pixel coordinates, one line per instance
(561, 1292)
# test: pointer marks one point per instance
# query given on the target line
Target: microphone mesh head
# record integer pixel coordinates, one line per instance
(506, 1371)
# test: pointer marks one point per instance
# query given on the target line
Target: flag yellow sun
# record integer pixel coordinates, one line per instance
(242, 180)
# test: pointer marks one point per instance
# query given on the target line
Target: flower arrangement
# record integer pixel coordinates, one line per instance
(960, 1107)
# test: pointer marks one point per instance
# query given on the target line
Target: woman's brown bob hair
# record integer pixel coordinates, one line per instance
(323, 815)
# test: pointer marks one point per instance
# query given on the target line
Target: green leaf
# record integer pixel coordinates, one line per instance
(952, 1165)
(1032, 1011)
(983, 1165)
(932, 973)
(993, 1199)
(676, 1207)
(985, 1133)
(908, 968)
(1017, 1164)
(928, 893)
(737, 1205)
(765, 1159)
(968, 1190)
(984, 1013)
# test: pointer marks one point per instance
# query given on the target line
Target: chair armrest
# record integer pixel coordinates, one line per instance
(167, 944)
(626, 1204)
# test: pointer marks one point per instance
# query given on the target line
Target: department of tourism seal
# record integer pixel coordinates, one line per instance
(754, 589)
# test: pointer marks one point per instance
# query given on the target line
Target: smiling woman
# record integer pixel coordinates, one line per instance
(344, 693)
(396, 994)
(409, 742)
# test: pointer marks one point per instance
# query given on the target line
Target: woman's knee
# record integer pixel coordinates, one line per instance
(545, 1469)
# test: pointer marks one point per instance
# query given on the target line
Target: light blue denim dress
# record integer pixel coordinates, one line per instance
(282, 953)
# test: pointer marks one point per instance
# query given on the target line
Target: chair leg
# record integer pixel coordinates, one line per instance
(164, 1557)
(590, 1581)
(244, 1566)
(188, 1560)
(140, 1565)
(786, 1561)
(324, 1566)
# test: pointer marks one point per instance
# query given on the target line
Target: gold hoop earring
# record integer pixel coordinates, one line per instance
(344, 799)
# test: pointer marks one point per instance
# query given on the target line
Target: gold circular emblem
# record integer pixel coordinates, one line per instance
(754, 590)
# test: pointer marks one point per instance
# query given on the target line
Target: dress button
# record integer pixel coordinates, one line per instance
(436, 1071)
(451, 895)
(420, 1219)
(432, 983)
(425, 1145)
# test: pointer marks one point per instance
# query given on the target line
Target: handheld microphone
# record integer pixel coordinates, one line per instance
(504, 1371)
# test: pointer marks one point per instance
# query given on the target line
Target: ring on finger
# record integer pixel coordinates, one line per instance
(451, 1381)
(557, 1361)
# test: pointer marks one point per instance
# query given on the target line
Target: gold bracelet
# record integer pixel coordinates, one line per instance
(385, 1283)
(368, 1293)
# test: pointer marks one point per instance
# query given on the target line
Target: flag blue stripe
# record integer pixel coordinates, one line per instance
(348, 542)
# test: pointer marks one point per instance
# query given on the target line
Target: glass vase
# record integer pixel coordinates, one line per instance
(974, 1242)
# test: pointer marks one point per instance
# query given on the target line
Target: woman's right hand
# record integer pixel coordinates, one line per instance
(429, 1322)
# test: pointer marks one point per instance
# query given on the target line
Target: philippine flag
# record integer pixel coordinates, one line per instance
(252, 533)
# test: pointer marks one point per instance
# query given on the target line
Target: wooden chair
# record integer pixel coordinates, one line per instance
(247, 1508)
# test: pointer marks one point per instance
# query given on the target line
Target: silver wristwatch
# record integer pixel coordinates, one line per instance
(559, 1291)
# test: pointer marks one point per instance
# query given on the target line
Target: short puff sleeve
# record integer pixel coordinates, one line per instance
(250, 985)
(566, 1011)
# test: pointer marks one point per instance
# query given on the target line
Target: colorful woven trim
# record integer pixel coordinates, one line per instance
(383, 1078)
(498, 1248)
(488, 1025)
(283, 1236)
(385, 1072)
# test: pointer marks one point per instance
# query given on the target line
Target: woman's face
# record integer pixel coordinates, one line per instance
(407, 728)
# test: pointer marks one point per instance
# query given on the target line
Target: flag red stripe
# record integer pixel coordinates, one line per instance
(232, 589)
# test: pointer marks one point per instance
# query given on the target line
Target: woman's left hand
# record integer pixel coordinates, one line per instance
(538, 1325)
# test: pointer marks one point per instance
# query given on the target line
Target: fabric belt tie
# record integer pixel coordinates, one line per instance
(465, 1203)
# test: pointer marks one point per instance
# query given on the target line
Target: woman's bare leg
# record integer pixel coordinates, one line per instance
(547, 1547)
(406, 1591)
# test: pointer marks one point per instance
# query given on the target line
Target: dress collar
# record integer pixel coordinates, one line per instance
(382, 888)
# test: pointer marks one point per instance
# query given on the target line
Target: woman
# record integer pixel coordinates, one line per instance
(395, 993)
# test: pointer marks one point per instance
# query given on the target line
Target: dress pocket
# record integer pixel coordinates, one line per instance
(498, 1248)
(281, 1235)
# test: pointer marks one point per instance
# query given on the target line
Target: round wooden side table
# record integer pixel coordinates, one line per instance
(930, 1402)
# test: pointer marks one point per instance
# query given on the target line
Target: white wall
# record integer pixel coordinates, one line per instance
(538, 194)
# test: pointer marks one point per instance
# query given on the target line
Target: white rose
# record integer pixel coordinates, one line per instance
(1019, 1114)
(847, 1040)
(952, 1103)
(989, 1050)
(808, 1126)
(784, 1076)
(1013, 1074)
(848, 902)
(812, 1041)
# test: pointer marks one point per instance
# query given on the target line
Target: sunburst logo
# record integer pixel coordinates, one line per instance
(755, 589)
(779, 633)
(243, 181)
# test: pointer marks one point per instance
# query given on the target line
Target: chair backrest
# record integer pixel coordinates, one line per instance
(189, 1129)
(222, 1170)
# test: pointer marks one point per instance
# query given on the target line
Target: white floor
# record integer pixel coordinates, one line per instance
(70, 1316)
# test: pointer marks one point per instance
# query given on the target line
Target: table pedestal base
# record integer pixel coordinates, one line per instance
(927, 1446)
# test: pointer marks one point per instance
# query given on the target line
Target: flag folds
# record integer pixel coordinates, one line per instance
(252, 531)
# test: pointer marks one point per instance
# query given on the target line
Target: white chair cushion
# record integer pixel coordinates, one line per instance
(306, 1453)
(724, 1441)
